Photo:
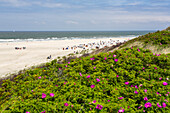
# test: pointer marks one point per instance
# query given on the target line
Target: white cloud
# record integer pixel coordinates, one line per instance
(40, 22)
(15, 3)
(71, 22)
(93, 22)
(108, 17)
(78, 17)
(48, 5)
(52, 5)
(22, 3)
(134, 3)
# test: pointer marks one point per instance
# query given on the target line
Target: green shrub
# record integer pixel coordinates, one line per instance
(72, 82)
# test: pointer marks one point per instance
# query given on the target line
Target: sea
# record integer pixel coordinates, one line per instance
(20, 36)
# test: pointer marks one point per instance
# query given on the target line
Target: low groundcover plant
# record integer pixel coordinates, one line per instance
(126, 80)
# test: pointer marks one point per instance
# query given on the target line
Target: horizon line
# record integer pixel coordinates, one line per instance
(70, 30)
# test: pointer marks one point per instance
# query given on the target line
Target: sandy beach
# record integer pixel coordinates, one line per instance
(12, 60)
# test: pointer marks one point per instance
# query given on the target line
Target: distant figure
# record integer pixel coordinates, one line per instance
(24, 47)
(17, 48)
(49, 57)
(97, 47)
(67, 47)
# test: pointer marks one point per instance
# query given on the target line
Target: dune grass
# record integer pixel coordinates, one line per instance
(160, 39)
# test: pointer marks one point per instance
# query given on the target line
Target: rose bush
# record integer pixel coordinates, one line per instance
(126, 80)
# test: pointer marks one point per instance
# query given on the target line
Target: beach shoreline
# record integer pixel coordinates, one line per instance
(35, 53)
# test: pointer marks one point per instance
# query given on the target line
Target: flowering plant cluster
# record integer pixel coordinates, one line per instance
(126, 80)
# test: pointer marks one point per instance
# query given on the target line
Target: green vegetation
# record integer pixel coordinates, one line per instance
(58, 57)
(168, 29)
(84, 51)
(129, 80)
(71, 54)
(159, 38)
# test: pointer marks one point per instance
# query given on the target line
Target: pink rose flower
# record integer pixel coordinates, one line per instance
(121, 110)
(92, 86)
(88, 76)
(126, 83)
(136, 92)
(166, 100)
(140, 85)
(148, 104)
(99, 107)
(116, 60)
(139, 106)
(66, 104)
(159, 105)
(160, 78)
(164, 105)
(120, 98)
(43, 95)
(145, 90)
(145, 98)
(80, 74)
(98, 80)
(94, 101)
(165, 83)
(136, 86)
(51, 94)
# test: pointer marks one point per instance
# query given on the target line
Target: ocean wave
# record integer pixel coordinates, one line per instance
(63, 38)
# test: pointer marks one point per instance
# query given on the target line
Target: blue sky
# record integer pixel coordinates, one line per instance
(77, 15)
